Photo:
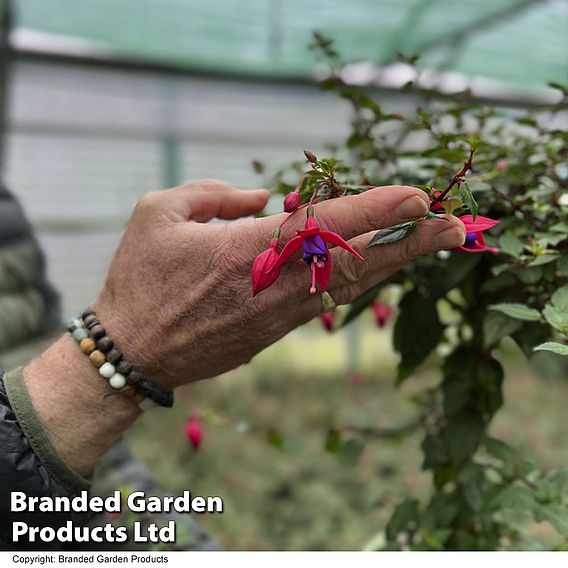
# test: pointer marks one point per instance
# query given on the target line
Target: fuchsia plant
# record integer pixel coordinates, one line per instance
(515, 288)
(474, 241)
(194, 432)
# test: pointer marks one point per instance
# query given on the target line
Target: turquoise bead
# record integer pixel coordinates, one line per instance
(79, 334)
(73, 324)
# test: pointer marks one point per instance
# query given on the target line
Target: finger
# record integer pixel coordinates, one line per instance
(357, 214)
(351, 277)
(204, 200)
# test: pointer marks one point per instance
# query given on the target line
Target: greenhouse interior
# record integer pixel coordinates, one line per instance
(324, 440)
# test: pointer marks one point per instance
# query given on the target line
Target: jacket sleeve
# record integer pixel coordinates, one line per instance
(28, 462)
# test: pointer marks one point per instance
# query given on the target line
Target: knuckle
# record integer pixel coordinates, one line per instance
(346, 294)
(148, 201)
(413, 247)
(230, 259)
(351, 268)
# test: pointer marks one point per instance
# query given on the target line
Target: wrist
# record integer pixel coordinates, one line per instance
(70, 399)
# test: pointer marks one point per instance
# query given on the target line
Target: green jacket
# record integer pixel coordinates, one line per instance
(29, 306)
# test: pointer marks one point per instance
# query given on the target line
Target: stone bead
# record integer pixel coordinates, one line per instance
(79, 334)
(104, 344)
(97, 358)
(91, 321)
(73, 324)
(88, 312)
(117, 381)
(87, 345)
(97, 331)
(107, 370)
(133, 377)
(124, 366)
(114, 356)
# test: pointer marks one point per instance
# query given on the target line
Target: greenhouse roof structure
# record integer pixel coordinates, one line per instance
(523, 43)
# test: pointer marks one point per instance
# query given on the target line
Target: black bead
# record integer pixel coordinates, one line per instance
(133, 377)
(113, 356)
(97, 331)
(104, 344)
(124, 367)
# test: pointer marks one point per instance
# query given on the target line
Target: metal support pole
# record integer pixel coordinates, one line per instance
(6, 20)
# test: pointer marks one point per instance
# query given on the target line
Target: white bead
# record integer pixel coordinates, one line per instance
(106, 370)
(117, 381)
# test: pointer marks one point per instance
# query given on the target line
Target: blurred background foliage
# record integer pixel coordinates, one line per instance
(102, 101)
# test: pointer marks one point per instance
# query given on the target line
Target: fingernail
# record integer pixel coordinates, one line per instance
(412, 208)
(450, 238)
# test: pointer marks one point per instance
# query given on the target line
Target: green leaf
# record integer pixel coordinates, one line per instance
(554, 347)
(462, 435)
(557, 318)
(360, 304)
(555, 514)
(517, 311)
(562, 264)
(435, 452)
(560, 299)
(516, 497)
(511, 245)
(393, 234)
(351, 451)
(430, 216)
(406, 513)
(417, 331)
(274, 438)
(496, 326)
(457, 268)
(508, 455)
(543, 259)
(333, 441)
(465, 194)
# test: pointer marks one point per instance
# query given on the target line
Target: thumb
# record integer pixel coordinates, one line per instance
(204, 200)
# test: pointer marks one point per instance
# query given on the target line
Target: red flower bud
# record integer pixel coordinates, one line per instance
(327, 320)
(292, 201)
(357, 379)
(194, 432)
(262, 275)
(310, 156)
(383, 313)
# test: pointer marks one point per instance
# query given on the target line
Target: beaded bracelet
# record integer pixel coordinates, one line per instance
(112, 365)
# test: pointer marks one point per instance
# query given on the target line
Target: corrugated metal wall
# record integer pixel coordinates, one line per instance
(86, 142)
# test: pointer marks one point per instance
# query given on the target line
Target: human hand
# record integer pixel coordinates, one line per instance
(177, 300)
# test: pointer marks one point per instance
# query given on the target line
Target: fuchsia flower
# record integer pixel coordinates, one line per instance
(262, 275)
(315, 253)
(327, 320)
(383, 313)
(194, 432)
(357, 379)
(474, 241)
(292, 201)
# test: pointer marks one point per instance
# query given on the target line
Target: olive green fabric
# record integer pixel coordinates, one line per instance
(37, 436)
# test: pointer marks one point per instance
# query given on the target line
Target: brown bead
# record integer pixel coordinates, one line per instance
(87, 345)
(97, 331)
(104, 344)
(124, 367)
(113, 356)
(97, 358)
